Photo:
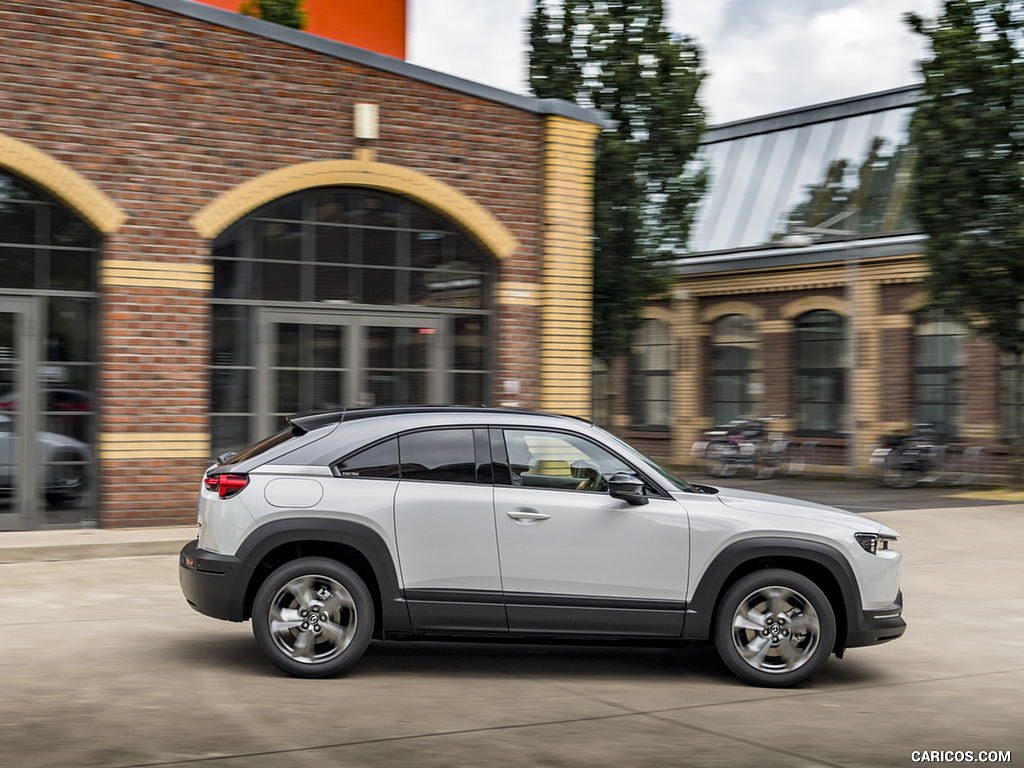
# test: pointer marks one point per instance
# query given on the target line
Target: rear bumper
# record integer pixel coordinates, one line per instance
(878, 626)
(212, 583)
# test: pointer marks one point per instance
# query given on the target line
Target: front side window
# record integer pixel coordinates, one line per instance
(819, 340)
(937, 358)
(540, 459)
(652, 376)
(734, 364)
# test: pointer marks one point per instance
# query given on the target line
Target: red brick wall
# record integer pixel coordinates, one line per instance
(164, 113)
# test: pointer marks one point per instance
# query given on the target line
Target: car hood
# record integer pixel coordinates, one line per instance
(767, 503)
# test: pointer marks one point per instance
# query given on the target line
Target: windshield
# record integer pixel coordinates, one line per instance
(667, 475)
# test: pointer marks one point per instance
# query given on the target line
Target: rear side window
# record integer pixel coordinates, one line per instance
(441, 455)
(380, 460)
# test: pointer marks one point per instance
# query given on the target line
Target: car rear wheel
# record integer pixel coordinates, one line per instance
(313, 617)
(775, 628)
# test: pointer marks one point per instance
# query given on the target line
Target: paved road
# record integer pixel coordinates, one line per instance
(103, 664)
(862, 496)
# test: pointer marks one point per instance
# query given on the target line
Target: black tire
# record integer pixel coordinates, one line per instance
(313, 617)
(775, 628)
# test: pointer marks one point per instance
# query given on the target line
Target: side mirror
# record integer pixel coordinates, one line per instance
(628, 488)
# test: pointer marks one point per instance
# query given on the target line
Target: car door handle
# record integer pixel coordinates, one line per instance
(526, 514)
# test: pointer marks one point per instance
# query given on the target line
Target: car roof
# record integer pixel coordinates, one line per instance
(306, 422)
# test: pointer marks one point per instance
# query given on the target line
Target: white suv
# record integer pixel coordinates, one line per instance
(484, 523)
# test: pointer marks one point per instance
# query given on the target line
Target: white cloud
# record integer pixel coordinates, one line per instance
(763, 55)
(480, 40)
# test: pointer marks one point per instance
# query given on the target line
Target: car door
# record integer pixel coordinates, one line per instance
(444, 527)
(574, 559)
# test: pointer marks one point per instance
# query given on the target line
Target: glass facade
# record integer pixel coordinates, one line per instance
(48, 353)
(805, 177)
(337, 297)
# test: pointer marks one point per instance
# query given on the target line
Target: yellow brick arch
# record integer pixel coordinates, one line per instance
(63, 182)
(443, 198)
(799, 306)
(723, 308)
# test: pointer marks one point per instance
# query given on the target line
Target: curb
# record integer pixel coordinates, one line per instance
(91, 544)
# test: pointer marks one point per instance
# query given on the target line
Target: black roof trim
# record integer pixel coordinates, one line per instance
(306, 422)
(912, 244)
(309, 42)
(894, 98)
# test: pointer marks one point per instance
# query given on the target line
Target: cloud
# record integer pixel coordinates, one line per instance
(767, 56)
(481, 40)
(763, 56)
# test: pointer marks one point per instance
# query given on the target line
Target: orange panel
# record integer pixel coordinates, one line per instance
(378, 26)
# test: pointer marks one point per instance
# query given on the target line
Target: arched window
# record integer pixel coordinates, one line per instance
(819, 339)
(937, 360)
(48, 354)
(734, 368)
(651, 376)
(340, 296)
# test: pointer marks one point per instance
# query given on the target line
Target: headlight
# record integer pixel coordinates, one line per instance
(872, 542)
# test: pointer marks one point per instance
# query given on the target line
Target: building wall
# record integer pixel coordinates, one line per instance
(164, 115)
(877, 296)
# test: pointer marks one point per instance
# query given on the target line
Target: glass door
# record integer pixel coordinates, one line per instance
(16, 402)
(316, 361)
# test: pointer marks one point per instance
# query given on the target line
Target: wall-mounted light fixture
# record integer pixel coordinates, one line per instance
(367, 121)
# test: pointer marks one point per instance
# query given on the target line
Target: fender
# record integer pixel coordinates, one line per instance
(266, 538)
(712, 583)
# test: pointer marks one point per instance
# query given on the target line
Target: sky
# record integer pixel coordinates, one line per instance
(761, 56)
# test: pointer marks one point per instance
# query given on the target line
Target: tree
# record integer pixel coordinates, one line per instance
(287, 13)
(968, 191)
(618, 57)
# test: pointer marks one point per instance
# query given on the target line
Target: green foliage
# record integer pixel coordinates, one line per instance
(618, 57)
(968, 193)
(287, 13)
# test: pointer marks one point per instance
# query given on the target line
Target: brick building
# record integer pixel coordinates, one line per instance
(207, 221)
(801, 298)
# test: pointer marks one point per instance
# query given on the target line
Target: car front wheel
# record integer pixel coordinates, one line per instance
(313, 617)
(775, 628)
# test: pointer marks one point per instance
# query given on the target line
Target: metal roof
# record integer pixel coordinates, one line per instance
(815, 113)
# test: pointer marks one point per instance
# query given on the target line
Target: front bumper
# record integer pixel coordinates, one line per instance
(212, 583)
(878, 626)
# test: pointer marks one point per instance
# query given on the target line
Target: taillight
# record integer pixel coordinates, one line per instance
(225, 486)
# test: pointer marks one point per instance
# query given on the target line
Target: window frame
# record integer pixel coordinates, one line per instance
(835, 375)
(748, 376)
(642, 377)
(952, 375)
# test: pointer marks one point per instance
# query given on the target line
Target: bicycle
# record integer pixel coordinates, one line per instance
(745, 443)
(903, 461)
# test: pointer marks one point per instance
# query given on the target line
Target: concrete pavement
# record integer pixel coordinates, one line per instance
(92, 543)
(104, 665)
